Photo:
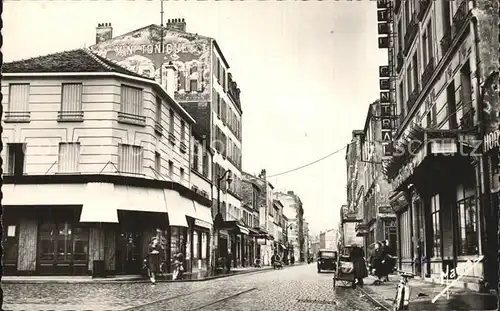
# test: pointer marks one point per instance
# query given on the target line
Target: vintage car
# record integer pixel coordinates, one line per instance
(327, 260)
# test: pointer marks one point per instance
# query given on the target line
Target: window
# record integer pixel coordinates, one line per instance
(62, 242)
(171, 169)
(408, 81)
(415, 72)
(467, 226)
(171, 122)
(193, 85)
(196, 157)
(195, 245)
(69, 157)
(183, 131)
(219, 105)
(18, 106)
(466, 93)
(158, 109)
(436, 226)
(158, 162)
(400, 36)
(407, 14)
(182, 175)
(430, 54)
(71, 102)
(16, 157)
(451, 105)
(446, 15)
(205, 164)
(130, 159)
(131, 102)
(424, 48)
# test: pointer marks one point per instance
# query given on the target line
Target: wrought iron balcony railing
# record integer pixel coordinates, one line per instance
(17, 116)
(428, 71)
(446, 42)
(413, 97)
(424, 5)
(467, 120)
(411, 34)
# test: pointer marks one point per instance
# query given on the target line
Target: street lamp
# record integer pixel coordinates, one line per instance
(218, 218)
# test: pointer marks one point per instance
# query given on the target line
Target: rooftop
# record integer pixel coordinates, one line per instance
(79, 60)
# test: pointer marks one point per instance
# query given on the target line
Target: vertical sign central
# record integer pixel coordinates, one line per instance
(386, 83)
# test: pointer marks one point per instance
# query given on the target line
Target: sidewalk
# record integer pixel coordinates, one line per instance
(422, 294)
(188, 277)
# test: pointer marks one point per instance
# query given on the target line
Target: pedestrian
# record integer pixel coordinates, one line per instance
(273, 258)
(377, 264)
(386, 261)
(357, 257)
(154, 259)
(228, 262)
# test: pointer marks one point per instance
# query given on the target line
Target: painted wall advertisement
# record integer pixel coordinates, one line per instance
(141, 51)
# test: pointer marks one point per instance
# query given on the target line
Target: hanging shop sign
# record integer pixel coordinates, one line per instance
(491, 140)
(385, 75)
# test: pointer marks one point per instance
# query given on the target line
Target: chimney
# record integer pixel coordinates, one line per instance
(103, 32)
(178, 24)
(170, 83)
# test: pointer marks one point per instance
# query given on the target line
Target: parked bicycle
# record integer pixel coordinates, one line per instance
(402, 300)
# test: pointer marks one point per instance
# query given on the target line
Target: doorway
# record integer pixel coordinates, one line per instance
(128, 252)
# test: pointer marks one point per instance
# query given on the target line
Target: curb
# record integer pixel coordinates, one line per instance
(133, 280)
(373, 300)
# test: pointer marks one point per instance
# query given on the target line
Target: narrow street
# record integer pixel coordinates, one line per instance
(293, 288)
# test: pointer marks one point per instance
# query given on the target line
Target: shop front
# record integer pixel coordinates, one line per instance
(202, 225)
(438, 217)
(96, 227)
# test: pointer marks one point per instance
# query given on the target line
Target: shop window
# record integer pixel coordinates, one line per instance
(62, 243)
(436, 226)
(195, 245)
(467, 227)
(177, 240)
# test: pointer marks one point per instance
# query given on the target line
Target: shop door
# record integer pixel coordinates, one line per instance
(128, 253)
(10, 246)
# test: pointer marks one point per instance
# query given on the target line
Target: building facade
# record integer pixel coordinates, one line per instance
(443, 60)
(378, 218)
(89, 179)
(201, 82)
(292, 208)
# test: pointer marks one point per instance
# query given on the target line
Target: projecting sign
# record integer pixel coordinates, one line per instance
(385, 97)
(383, 29)
(385, 84)
(383, 42)
(383, 15)
(382, 4)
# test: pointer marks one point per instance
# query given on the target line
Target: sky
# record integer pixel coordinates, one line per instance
(307, 71)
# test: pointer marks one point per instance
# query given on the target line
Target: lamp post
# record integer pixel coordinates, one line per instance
(218, 218)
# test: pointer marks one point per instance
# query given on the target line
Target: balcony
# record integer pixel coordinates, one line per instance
(459, 18)
(70, 116)
(446, 42)
(428, 71)
(17, 116)
(411, 34)
(400, 61)
(131, 118)
(413, 97)
(158, 128)
(397, 6)
(467, 120)
(424, 6)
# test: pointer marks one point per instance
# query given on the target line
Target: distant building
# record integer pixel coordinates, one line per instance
(292, 208)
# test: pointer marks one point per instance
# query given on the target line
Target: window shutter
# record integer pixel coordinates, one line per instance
(69, 154)
(200, 77)
(71, 97)
(188, 77)
(19, 97)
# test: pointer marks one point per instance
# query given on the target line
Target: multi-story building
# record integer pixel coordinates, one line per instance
(292, 208)
(251, 192)
(263, 234)
(201, 82)
(89, 179)
(316, 245)
(328, 239)
(445, 52)
(307, 242)
(378, 218)
(277, 218)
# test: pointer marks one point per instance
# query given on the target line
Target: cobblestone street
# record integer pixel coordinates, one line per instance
(293, 288)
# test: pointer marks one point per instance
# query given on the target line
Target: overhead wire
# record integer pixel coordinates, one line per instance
(310, 163)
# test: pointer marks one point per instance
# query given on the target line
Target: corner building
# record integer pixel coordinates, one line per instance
(201, 82)
(442, 59)
(98, 161)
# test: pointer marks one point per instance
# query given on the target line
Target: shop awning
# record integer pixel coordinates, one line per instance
(176, 207)
(243, 229)
(100, 204)
(43, 194)
(203, 215)
(140, 199)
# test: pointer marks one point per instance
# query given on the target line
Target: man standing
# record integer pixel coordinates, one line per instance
(357, 257)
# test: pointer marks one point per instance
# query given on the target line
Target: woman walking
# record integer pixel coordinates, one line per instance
(154, 259)
(357, 257)
(377, 262)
